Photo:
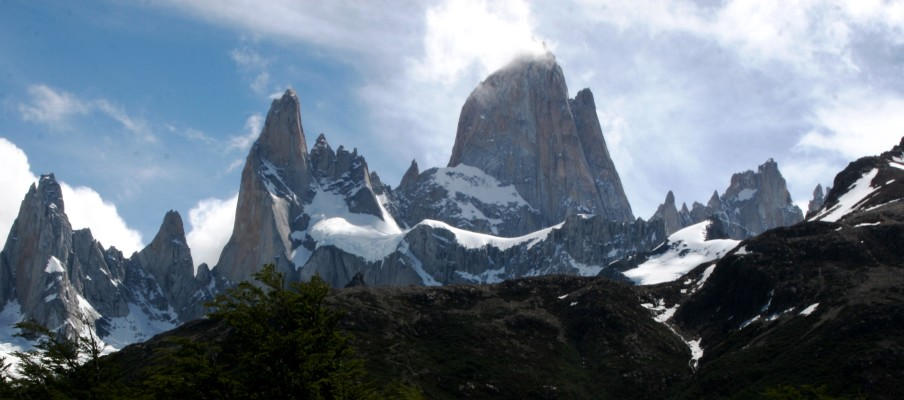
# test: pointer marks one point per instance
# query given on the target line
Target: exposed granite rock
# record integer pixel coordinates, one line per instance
(817, 201)
(345, 173)
(602, 169)
(409, 180)
(67, 281)
(518, 126)
(753, 203)
(168, 259)
(276, 181)
(466, 198)
(669, 214)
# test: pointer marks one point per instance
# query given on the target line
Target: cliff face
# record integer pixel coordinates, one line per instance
(276, 181)
(68, 282)
(753, 203)
(519, 127)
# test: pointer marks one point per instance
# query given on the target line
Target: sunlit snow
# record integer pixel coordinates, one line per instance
(688, 248)
(809, 310)
(54, 266)
(850, 200)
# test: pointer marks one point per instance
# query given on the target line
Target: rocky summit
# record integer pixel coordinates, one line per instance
(520, 127)
(753, 203)
(537, 256)
(68, 282)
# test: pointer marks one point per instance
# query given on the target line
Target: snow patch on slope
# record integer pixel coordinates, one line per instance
(137, 326)
(474, 183)
(9, 344)
(364, 235)
(688, 248)
(856, 194)
(54, 266)
(809, 310)
(662, 315)
(474, 240)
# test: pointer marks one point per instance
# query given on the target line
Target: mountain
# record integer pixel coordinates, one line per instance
(814, 307)
(519, 127)
(753, 203)
(865, 185)
(291, 201)
(324, 212)
(276, 181)
(69, 282)
(434, 253)
(817, 201)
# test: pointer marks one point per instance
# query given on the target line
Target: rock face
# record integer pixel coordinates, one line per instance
(67, 281)
(465, 197)
(672, 219)
(753, 203)
(519, 127)
(285, 194)
(434, 253)
(168, 260)
(276, 181)
(817, 201)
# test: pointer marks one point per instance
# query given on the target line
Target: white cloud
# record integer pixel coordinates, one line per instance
(709, 88)
(461, 34)
(50, 106)
(253, 64)
(803, 174)
(855, 124)
(247, 57)
(261, 82)
(54, 107)
(235, 164)
(84, 206)
(86, 209)
(799, 33)
(362, 27)
(211, 226)
(253, 125)
(15, 180)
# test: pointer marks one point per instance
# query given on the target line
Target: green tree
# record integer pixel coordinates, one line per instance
(57, 366)
(282, 341)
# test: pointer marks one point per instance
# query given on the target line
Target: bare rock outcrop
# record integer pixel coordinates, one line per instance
(520, 127)
(753, 203)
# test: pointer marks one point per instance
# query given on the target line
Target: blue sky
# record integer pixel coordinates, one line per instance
(150, 106)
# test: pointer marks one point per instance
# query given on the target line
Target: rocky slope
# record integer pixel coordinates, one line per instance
(69, 282)
(816, 304)
(753, 203)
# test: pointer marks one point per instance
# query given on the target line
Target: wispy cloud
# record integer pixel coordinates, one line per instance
(250, 62)
(253, 126)
(54, 107)
(50, 106)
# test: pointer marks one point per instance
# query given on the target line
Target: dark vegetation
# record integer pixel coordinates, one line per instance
(552, 337)
(269, 340)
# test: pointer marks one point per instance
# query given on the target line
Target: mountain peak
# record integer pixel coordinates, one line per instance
(50, 191)
(321, 141)
(410, 178)
(519, 127)
(282, 139)
(171, 227)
